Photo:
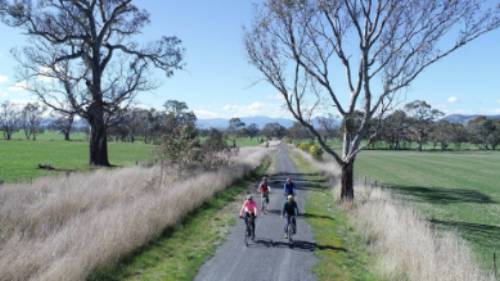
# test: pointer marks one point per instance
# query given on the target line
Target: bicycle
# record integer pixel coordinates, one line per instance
(250, 230)
(291, 228)
(264, 201)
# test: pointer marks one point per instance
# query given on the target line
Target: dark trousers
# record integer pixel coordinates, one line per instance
(290, 220)
(250, 218)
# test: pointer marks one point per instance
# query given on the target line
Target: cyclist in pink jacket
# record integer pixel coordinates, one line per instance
(249, 210)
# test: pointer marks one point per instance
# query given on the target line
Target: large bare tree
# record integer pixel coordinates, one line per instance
(349, 56)
(82, 58)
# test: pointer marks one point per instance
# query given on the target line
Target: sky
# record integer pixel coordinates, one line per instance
(218, 81)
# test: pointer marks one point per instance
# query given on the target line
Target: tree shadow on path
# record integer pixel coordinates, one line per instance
(304, 215)
(298, 245)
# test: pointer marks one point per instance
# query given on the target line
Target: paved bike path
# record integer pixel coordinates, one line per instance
(269, 258)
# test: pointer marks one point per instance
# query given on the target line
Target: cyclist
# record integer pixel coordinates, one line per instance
(289, 213)
(264, 190)
(289, 187)
(249, 209)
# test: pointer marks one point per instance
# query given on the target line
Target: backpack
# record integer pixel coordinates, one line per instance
(263, 187)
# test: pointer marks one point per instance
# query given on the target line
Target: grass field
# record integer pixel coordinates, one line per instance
(51, 136)
(380, 145)
(19, 159)
(457, 191)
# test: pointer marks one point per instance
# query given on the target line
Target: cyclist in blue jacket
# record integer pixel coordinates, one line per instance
(289, 187)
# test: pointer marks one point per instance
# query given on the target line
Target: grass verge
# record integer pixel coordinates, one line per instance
(456, 192)
(179, 252)
(349, 260)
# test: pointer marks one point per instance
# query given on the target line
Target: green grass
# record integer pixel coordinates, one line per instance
(245, 141)
(336, 144)
(51, 136)
(19, 159)
(342, 253)
(180, 252)
(456, 191)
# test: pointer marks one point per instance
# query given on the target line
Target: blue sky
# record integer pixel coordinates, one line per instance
(219, 82)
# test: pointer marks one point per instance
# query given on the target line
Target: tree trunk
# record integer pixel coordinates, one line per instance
(66, 136)
(98, 136)
(347, 178)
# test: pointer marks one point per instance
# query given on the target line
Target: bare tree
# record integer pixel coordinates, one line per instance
(64, 124)
(381, 45)
(32, 119)
(82, 58)
(9, 119)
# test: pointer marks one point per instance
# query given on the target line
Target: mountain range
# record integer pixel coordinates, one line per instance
(260, 121)
(464, 119)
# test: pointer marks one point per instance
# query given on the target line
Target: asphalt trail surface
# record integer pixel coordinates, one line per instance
(270, 257)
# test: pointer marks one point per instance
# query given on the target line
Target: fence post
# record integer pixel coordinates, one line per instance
(366, 181)
(495, 264)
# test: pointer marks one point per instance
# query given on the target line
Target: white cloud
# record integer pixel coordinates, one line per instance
(19, 87)
(3, 78)
(206, 114)
(254, 109)
(453, 99)
(270, 109)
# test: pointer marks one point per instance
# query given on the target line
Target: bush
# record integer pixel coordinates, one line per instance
(304, 147)
(316, 151)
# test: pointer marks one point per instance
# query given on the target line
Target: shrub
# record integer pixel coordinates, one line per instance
(316, 151)
(304, 146)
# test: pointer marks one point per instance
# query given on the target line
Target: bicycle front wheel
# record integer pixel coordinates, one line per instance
(290, 232)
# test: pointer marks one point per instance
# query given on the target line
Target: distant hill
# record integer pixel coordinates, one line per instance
(260, 121)
(464, 119)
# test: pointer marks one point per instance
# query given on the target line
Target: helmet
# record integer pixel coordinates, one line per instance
(290, 197)
(250, 197)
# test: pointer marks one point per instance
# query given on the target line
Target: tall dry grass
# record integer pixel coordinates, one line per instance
(406, 245)
(64, 228)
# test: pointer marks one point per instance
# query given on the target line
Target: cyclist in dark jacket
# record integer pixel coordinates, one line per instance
(289, 213)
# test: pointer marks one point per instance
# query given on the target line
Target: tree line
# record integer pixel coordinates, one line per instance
(416, 124)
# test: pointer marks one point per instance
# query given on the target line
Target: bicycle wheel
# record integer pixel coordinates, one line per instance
(247, 234)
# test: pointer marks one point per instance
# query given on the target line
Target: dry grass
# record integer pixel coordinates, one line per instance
(64, 228)
(407, 247)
